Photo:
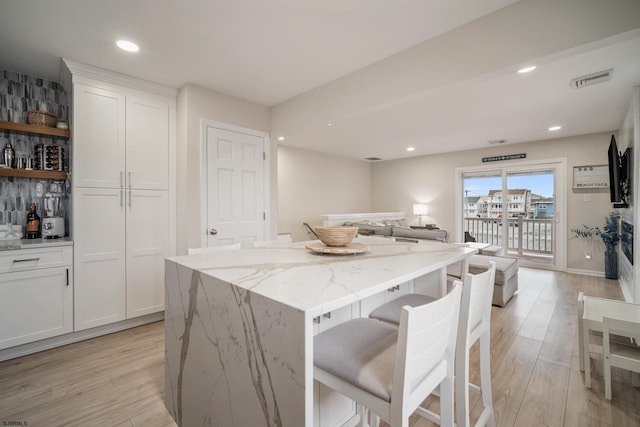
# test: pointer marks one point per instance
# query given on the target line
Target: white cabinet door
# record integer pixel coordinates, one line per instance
(147, 146)
(98, 137)
(35, 305)
(147, 247)
(99, 256)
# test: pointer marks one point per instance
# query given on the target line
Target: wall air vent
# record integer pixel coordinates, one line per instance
(497, 141)
(373, 159)
(591, 79)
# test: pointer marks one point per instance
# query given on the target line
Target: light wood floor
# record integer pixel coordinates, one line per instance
(117, 380)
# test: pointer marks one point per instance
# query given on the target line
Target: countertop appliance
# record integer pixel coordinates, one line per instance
(52, 226)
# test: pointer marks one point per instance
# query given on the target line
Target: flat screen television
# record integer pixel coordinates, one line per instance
(615, 187)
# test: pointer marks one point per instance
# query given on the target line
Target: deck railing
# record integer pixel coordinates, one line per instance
(525, 236)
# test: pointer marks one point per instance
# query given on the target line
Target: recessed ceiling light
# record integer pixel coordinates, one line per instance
(411, 148)
(527, 69)
(281, 138)
(329, 124)
(555, 128)
(127, 45)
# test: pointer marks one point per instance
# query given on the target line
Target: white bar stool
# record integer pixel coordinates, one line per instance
(474, 325)
(390, 370)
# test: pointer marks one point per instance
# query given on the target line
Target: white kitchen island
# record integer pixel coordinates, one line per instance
(239, 325)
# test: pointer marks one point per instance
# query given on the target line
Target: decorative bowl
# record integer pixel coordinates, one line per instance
(336, 236)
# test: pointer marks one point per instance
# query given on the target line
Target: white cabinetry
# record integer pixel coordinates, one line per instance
(99, 239)
(120, 140)
(147, 147)
(36, 294)
(123, 202)
(147, 243)
(98, 137)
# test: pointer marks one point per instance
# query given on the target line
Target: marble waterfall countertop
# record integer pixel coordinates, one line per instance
(239, 325)
(318, 283)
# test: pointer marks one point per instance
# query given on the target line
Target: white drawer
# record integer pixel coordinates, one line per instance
(31, 259)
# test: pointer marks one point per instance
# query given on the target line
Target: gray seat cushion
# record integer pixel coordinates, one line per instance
(361, 352)
(390, 312)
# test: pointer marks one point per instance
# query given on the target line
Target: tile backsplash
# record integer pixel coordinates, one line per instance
(20, 93)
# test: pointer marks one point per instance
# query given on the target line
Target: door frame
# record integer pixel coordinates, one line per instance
(560, 164)
(204, 125)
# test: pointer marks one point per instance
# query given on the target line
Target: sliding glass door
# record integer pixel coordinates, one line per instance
(516, 208)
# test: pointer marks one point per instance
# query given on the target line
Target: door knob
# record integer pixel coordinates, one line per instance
(213, 231)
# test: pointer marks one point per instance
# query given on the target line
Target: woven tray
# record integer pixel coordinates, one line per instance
(41, 118)
(350, 249)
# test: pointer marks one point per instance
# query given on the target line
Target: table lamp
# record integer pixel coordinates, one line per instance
(420, 209)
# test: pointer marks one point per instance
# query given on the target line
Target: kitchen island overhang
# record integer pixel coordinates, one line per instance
(239, 324)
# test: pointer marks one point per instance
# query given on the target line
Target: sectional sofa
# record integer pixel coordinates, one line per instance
(506, 280)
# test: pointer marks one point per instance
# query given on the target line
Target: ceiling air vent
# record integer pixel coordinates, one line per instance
(497, 141)
(373, 159)
(591, 79)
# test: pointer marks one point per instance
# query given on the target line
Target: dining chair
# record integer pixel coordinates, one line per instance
(390, 370)
(222, 248)
(474, 325)
(621, 356)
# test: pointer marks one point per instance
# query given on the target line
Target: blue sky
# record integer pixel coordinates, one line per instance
(541, 184)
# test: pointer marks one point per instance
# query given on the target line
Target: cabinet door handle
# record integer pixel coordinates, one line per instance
(130, 179)
(129, 196)
(67, 277)
(121, 179)
(26, 259)
(121, 197)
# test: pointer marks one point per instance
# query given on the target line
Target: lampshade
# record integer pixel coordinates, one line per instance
(420, 209)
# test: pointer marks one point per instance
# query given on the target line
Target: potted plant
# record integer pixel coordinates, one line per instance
(610, 237)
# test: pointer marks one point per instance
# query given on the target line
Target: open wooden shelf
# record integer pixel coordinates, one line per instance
(42, 174)
(38, 130)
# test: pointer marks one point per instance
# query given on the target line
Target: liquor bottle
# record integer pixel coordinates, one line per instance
(33, 223)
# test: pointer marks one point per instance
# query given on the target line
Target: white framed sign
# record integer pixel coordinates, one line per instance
(591, 176)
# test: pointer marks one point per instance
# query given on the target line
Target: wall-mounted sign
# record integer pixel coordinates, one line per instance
(505, 157)
(591, 176)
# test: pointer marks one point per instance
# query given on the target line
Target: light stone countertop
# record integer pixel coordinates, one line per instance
(17, 244)
(319, 283)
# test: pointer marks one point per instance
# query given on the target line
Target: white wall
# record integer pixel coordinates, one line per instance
(629, 136)
(194, 104)
(398, 184)
(311, 184)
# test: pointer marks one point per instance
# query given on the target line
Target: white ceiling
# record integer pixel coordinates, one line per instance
(386, 74)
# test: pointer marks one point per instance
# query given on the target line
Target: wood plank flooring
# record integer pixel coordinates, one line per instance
(118, 380)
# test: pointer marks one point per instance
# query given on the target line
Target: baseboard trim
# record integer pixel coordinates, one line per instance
(49, 343)
(594, 273)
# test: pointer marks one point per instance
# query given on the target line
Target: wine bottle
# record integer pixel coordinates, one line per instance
(33, 223)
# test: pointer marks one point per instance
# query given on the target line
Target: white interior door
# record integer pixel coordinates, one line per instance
(235, 187)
